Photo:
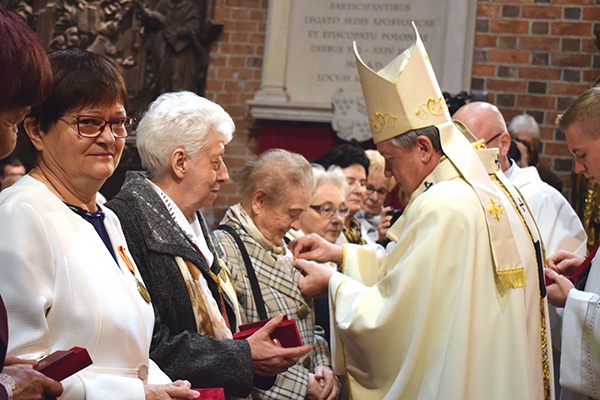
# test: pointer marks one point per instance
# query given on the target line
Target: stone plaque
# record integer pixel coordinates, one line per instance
(309, 56)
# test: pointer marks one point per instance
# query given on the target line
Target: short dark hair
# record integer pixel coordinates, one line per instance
(81, 78)
(12, 161)
(343, 156)
(24, 68)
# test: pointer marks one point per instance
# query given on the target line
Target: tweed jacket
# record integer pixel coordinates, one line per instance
(281, 295)
(155, 240)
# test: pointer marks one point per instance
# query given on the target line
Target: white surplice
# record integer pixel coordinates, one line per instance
(580, 356)
(559, 225)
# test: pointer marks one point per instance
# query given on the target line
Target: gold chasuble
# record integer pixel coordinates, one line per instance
(455, 309)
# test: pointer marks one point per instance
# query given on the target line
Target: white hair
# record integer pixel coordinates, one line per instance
(179, 120)
(333, 175)
(524, 123)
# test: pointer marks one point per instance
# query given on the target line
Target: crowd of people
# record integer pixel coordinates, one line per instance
(445, 297)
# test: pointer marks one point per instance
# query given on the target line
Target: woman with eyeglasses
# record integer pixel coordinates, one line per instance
(327, 206)
(375, 219)
(325, 217)
(275, 191)
(355, 166)
(66, 275)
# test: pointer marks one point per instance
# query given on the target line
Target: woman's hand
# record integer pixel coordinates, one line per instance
(29, 383)
(269, 358)
(385, 221)
(175, 390)
(329, 382)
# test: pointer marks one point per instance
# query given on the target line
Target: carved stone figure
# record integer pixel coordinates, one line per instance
(161, 45)
(176, 53)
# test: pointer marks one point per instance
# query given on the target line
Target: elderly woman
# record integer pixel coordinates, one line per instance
(26, 80)
(327, 206)
(66, 275)
(373, 217)
(181, 140)
(325, 217)
(275, 191)
(355, 165)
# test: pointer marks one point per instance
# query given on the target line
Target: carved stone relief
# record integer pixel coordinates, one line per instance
(160, 45)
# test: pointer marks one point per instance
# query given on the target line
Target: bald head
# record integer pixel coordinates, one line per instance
(486, 122)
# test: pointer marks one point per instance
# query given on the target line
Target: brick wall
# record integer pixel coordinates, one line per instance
(536, 56)
(531, 56)
(233, 78)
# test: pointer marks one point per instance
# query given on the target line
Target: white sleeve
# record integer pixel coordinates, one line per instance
(580, 355)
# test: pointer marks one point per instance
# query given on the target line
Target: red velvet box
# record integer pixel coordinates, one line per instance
(64, 363)
(286, 333)
(211, 394)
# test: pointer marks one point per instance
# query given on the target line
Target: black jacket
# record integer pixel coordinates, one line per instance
(154, 240)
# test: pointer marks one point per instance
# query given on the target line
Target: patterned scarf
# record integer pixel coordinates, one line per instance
(244, 219)
(209, 320)
(352, 233)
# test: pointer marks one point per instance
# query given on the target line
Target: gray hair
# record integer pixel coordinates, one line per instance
(179, 120)
(524, 123)
(408, 140)
(585, 111)
(333, 175)
(377, 167)
(274, 172)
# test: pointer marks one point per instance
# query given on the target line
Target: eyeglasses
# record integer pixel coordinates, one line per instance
(90, 126)
(370, 189)
(328, 210)
(496, 136)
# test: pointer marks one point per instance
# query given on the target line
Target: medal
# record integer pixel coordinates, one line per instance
(143, 291)
(140, 286)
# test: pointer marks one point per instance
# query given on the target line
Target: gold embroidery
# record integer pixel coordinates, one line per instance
(380, 121)
(495, 209)
(545, 357)
(432, 106)
(545, 351)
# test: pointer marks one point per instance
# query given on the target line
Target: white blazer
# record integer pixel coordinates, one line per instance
(63, 288)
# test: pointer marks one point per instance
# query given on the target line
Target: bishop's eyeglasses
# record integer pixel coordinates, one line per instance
(328, 210)
(90, 126)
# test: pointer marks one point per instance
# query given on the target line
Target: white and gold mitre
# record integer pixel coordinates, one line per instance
(404, 95)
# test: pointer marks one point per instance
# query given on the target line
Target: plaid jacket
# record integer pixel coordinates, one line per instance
(281, 295)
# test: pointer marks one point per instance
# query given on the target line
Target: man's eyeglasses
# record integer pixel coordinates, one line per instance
(328, 210)
(369, 189)
(91, 126)
(496, 136)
